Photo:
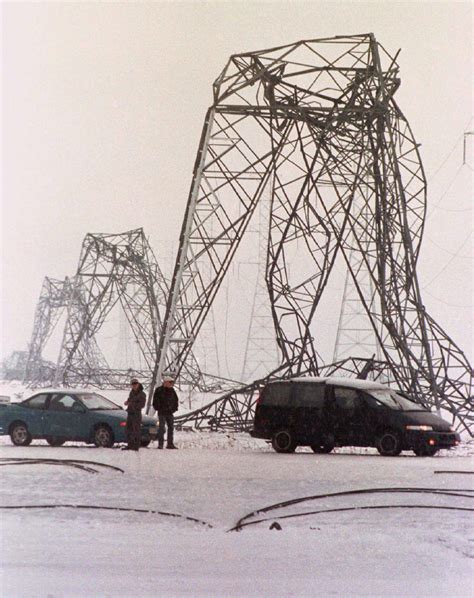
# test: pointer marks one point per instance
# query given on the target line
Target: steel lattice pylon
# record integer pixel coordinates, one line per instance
(54, 298)
(318, 120)
(116, 269)
(112, 268)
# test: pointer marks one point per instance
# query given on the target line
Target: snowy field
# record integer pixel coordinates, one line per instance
(163, 526)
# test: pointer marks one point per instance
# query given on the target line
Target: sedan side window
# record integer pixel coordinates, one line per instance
(37, 402)
(62, 403)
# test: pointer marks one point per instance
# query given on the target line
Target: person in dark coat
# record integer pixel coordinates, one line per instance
(135, 403)
(165, 403)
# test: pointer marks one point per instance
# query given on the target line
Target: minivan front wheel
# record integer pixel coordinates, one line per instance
(283, 442)
(389, 444)
(425, 451)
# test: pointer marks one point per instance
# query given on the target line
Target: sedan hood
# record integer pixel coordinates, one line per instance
(118, 414)
(426, 418)
(149, 421)
(121, 415)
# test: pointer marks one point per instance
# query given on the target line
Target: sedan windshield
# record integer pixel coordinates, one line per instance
(395, 400)
(94, 401)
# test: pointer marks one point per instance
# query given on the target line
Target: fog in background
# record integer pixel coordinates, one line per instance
(103, 106)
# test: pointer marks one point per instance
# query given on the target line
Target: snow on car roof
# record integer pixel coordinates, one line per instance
(333, 380)
(82, 391)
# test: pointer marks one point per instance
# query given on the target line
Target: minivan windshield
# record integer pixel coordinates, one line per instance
(95, 401)
(395, 400)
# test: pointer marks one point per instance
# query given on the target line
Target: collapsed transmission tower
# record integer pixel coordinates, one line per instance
(112, 268)
(54, 298)
(319, 119)
(115, 269)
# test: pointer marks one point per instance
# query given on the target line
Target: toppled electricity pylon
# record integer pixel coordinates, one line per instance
(54, 298)
(318, 121)
(13, 367)
(113, 268)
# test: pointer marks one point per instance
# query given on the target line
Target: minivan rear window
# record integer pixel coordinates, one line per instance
(277, 394)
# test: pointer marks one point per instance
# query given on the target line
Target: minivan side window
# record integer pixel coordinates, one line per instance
(277, 394)
(346, 399)
(308, 395)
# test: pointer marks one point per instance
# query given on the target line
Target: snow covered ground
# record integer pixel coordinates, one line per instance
(212, 482)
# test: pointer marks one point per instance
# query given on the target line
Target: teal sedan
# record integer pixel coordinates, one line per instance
(61, 415)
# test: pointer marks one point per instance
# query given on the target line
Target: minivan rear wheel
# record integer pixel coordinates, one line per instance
(389, 444)
(322, 448)
(283, 442)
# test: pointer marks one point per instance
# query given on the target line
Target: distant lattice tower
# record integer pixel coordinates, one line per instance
(261, 353)
(355, 332)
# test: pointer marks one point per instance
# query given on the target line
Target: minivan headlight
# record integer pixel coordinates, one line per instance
(420, 428)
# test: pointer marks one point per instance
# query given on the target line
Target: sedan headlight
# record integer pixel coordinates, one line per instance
(420, 428)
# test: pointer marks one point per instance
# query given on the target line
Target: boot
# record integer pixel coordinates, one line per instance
(160, 445)
(171, 446)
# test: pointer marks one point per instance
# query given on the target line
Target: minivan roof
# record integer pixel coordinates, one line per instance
(351, 382)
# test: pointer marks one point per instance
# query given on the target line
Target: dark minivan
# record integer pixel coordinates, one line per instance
(326, 412)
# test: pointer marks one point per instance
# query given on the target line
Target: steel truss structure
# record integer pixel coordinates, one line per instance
(316, 122)
(54, 298)
(113, 268)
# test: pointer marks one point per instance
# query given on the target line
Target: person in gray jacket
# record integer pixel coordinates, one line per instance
(135, 403)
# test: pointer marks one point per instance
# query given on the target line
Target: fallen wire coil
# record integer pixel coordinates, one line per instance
(101, 508)
(447, 471)
(339, 510)
(44, 462)
(445, 491)
(77, 463)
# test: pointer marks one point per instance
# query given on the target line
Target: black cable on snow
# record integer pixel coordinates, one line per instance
(18, 460)
(339, 510)
(99, 507)
(44, 462)
(447, 471)
(295, 501)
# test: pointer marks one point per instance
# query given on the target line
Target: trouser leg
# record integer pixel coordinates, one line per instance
(161, 428)
(170, 424)
(133, 432)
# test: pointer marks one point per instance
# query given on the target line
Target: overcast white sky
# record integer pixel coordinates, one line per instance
(103, 105)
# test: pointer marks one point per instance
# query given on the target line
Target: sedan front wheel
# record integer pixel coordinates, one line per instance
(20, 435)
(103, 437)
